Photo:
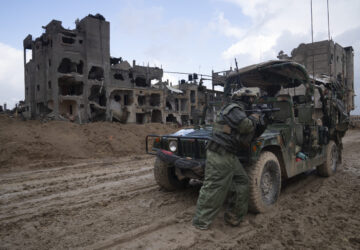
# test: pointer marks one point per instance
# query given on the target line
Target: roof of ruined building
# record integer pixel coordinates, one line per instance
(124, 65)
(174, 89)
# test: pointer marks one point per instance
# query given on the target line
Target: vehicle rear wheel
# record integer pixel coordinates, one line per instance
(264, 183)
(328, 168)
(165, 176)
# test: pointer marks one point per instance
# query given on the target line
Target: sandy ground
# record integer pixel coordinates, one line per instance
(108, 202)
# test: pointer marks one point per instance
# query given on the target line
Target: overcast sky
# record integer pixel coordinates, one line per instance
(181, 35)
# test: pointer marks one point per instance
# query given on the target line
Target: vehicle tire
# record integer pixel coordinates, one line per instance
(328, 168)
(165, 176)
(264, 183)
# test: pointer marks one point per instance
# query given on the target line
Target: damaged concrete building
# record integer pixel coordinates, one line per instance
(72, 75)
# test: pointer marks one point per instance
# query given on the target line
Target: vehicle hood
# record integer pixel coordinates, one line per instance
(269, 134)
(194, 133)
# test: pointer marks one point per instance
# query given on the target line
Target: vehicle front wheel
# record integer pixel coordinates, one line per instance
(264, 183)
(329, 167)
(165, 176)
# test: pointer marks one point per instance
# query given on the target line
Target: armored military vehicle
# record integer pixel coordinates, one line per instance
(305, 133)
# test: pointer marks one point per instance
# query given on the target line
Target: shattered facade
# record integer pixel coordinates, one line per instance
(72, 75)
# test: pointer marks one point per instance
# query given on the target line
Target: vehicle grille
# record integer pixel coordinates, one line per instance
(190, 149)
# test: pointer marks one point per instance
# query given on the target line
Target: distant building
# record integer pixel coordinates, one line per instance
(71, 75)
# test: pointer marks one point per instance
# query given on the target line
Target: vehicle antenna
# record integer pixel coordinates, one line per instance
(236, 65)
(239, 83)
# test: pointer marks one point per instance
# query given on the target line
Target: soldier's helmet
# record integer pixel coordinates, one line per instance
(244, 92)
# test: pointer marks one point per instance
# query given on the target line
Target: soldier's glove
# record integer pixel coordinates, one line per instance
(255, 117)
(259, 122)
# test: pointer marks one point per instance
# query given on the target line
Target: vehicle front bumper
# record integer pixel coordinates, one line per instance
(177, 161)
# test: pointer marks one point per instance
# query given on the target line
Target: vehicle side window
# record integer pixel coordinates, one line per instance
(284, 113)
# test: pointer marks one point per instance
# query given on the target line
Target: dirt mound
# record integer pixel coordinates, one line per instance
(34, 141)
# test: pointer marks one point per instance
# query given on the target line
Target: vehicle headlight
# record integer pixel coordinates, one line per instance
(173, 146)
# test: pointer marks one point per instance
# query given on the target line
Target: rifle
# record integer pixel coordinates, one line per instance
(262, 109)
(265, 117)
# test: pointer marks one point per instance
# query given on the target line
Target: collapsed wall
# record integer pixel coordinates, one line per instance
(72, 76)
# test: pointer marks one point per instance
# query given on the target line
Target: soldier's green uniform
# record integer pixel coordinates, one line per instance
(224, 172)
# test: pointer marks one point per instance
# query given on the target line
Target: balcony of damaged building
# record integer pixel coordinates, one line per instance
(71, 90)
(97, 96)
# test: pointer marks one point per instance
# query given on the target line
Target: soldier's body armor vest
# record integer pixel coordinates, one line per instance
(233, 130)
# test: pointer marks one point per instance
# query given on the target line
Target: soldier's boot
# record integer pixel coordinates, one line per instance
(199, 225)
(231, 219)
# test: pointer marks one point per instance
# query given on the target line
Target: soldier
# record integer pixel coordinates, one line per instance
(224, 172)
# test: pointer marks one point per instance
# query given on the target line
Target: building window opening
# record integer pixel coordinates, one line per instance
(177, 104)
(49, 84)
(38, 87)
(156, 116)
(119, 76)
(117, 98)
(96, 73)
(68, 86)
(171, 118)
(79, 67)
(68, 40)
(67, 66)
(119, 95)
(168, 105)
(185, 119)
(41, 108)
(183, 104)
(140, 81)
(140, 118)
(126, 100)
(155, 99)
(49, 62)
(98, 95)
(141, 100)
(28, 55)
(68, 107)
(192, 96)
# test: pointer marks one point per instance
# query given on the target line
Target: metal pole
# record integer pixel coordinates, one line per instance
(328, 17)
(312, 40)
(312, 28)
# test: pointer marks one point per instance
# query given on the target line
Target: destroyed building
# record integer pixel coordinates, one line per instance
(72, 75)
